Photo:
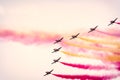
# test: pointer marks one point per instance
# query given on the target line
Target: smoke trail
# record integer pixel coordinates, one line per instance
(82, 66)
(117, 22)
(99, 41)
(110, 34)
(84, 77)
(113, 58)
(79, 55)
(30, 38)
(93, 48)
(110, 58)
(117, 65)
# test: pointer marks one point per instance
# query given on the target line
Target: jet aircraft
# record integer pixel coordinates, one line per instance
(59, 40)
(112, 22)
(74, 36)
(48, 72)
(56, 50)
(92, 29)
(56, 60)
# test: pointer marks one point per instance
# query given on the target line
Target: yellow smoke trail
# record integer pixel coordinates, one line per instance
(113, 58)
(93, 47)
(78, 55)
(110, 58)
(100, 41)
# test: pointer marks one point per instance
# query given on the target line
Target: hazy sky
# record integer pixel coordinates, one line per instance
(29, 62)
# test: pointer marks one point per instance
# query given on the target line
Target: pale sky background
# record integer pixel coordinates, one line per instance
(29, 62)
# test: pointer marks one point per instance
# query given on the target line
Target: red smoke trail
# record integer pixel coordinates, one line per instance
(117, 22)
(85, 66)
(28, 38)
(83, 77)
(110, 34)
(117, 65)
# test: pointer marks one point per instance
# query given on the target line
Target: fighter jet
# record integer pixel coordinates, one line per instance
(48, 72)
(113, 21)
(56, 60)
(56, 50)
(74, 36)
(92, 29)
(59, 40)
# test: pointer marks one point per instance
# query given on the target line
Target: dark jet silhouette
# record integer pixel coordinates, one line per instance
(92, 29)
(59, 40)
(113, 21)
(56, 50)
(74, 36)
(48, 72)
(56, 60)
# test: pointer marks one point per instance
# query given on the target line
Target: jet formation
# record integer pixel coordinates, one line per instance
(72, 37)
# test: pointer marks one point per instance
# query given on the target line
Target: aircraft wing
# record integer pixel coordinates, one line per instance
(51, 70)
(52, 62)
(71, 38)
(55, 42)
(89, 31)
(77, 34)
(61, 39)
(53, 51)
(110, 24)
(96, 27)
(115, 19)
(59, 58)
(60, 48)
(45, 74)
